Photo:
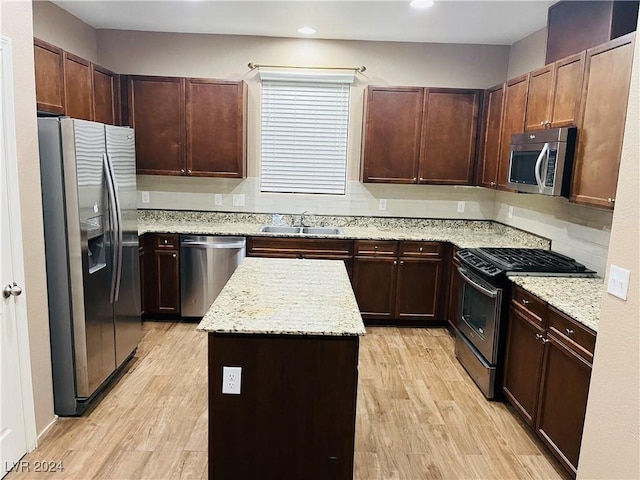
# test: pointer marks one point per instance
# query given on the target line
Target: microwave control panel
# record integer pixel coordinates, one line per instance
(551, 168)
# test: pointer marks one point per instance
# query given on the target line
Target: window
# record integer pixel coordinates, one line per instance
(305, 119)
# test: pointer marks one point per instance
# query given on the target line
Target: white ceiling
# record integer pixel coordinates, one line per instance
(448, 21)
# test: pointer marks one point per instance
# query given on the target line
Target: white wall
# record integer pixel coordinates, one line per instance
(611, 441)
(16, 23)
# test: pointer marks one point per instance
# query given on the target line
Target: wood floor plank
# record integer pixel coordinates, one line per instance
(419, 416)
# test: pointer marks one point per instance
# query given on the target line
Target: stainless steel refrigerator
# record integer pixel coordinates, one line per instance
(91, 241)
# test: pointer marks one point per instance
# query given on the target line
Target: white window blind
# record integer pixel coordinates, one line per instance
(304, 136)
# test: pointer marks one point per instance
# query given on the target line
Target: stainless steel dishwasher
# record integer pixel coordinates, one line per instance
(206, 263)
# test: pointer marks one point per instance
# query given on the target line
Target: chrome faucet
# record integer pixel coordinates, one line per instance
(302, 218)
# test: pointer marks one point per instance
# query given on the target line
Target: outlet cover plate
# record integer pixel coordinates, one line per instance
(231, 380)
(238, 200)
(382, 204)
(618, 284)
(217, 199)
(145, 197)
(460, 207)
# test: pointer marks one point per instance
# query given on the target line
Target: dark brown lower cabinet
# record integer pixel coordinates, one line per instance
(418, 288)
(563, 401)
(547, 374)
(295, 415)
(374, 286)
(168, 281)
(160, 280)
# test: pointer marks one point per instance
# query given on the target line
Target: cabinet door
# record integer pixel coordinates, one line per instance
(494, 101)
(156, 112)
(523, 364)
(49, 71)
(216, 116)
(539, 98)
(567, 90)
(418, 289)
(563, 401)
(515, 106)
(602, 120)
(77, 87)
(105, 95)
(391, 136)
(167, 288)
(449, 133)
(374, 286)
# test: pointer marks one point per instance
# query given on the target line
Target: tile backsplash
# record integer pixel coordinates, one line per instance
(578, 231)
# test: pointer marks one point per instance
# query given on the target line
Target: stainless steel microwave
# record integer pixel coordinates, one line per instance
(542, 161)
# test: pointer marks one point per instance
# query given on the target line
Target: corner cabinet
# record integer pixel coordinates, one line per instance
(188, 126)
(494, 108)
(602, 121)
(547, 373)
(419, 135)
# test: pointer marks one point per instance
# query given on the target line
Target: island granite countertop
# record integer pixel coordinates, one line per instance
(577, 297)
(286, 297)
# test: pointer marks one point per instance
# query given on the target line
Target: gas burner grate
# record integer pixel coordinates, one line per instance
(530, 259)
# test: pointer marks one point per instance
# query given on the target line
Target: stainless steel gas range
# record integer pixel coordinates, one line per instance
(484, 298)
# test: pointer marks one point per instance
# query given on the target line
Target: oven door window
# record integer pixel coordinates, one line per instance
(480, 316)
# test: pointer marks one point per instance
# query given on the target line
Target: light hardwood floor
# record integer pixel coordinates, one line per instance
(419, 416)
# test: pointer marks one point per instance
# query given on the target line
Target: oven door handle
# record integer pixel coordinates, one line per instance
(475, 284)
(537, 169)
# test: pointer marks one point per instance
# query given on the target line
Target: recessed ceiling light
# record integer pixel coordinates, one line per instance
(307, 30)
(422, 3)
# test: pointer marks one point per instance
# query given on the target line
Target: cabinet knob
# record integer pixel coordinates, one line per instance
(525, 301)
(421, 179)
(538, 336)
(189, 171)
(174, 255)
(544, 340)
(165, 241)
(543, 123)
(611, 200)
(415, 179)
(421, 249)
(493, 184)
(569, 331)
(401, 262)
(395, 262)
(375, 247)
(182, 171)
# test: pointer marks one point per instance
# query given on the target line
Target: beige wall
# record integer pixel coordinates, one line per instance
(611, 441)
(16, 23)
(58, 27)
(527, 54)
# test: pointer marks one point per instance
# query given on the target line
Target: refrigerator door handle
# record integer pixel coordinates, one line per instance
(113, 214)
(119, 235)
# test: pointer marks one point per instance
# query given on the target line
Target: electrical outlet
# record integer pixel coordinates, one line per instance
(238, 200)
(618, 285)
(145, 197)
(460, 207)
(217, 199)
(382, 204)
(510, 214)
(231, 380)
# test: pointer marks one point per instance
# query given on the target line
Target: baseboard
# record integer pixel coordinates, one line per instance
(45, 431)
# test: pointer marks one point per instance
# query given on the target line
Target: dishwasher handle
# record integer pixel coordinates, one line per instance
(213, 245)
(200, 241)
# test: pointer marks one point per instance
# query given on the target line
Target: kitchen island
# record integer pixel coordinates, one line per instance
(293, 328)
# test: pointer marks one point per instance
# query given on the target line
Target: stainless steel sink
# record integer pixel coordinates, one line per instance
(322, 231)
(302, 230)
(278, 229)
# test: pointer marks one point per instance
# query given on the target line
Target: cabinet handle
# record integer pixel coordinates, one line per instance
(569, 331)
(182, 171)
(611, 200)
(544, 340)
(395, 262)
(421, 249)
(189, 171)
(174, 255)
(525, 301)
(401, 262)
(165, 241)
(538, 336)
(493, 184)
(415, 179)
(542, 123)
(375, 247)
(421, 179)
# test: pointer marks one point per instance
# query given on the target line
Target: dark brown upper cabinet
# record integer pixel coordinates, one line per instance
(78, 87)
(554, 94)
(494, 108)
(105, 95)
(49, 72)
(602, 120)
(515, 106)
(574, 26)
(216, 128)
(391, 135)
(419, 135)
(157, 114)
(449, 134)
(188, 126)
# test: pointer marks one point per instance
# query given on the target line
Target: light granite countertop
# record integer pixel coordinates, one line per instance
(286, 297)
(577, 297)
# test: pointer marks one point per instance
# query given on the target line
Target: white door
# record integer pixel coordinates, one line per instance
(13, 431)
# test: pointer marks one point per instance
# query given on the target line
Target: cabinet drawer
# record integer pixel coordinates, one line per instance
(299, 247)
(166, 240)
(420, 249)
(575, 335)
(529, 303)
(376, 247)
